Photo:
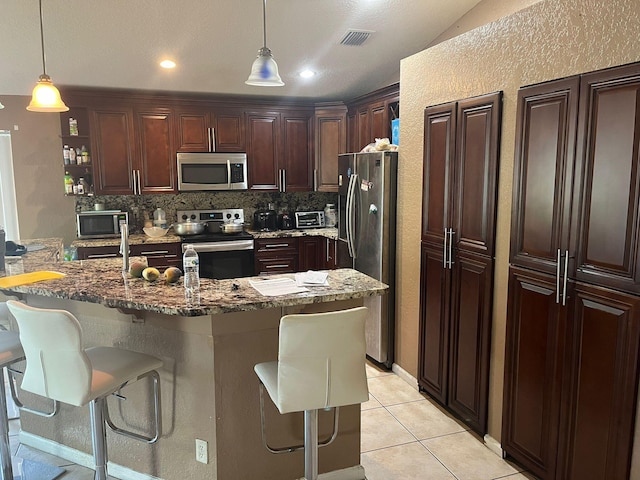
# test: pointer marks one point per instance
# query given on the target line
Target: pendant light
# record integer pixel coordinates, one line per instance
(264, 71)
(45, 96)
(1, 106)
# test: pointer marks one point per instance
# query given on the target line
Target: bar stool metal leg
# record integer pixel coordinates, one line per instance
(98, 437)
(5, 449)
(311, 444)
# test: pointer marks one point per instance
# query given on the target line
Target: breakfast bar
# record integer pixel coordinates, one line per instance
(209, 389)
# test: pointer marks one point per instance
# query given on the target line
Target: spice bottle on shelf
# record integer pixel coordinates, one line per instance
(65, 154)
(83, 186)
(84, 153)
(68, 183)
(72, 156)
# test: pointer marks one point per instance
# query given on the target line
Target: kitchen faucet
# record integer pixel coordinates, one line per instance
(124, 246)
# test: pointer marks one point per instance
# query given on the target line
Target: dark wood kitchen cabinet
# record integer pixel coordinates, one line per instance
(276, 255)
(458, 229)
(159, 255)
(210, 130)
(369, 117)
(311, 253)
(330, 141)
(155, 168)
(279, 150)
(113, 146)
(573, 331)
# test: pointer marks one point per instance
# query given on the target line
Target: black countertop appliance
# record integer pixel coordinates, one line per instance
(286, 221)
(265, 220)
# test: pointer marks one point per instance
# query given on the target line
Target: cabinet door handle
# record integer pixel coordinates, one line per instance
(444, 252)
(102, 255)
(157, 252)
(134, 181)
(213, 139)
(566, 270)
(558, 260)
(210, 149)
(284, 181)
(315, 179)
(327, 249)
(451, 233)
(139, 187)
(284, 265)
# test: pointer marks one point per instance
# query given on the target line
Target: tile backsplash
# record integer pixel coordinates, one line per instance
(141, 207)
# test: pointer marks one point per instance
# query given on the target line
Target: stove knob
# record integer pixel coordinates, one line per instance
(184, 217)
(228, 215)
(237, 215)
(193, 216)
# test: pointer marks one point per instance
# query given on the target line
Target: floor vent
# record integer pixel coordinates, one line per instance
(355, 38)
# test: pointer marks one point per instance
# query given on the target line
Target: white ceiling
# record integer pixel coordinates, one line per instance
(119, 43)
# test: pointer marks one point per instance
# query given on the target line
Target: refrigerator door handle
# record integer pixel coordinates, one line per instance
(351, 215)
(451, 233)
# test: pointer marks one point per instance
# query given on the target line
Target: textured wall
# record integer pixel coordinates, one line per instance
(548, 40)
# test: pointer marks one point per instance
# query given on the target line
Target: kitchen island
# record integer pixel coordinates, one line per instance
(209, 389)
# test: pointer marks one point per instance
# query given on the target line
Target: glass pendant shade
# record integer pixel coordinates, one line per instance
(1, 106)
(46, 97)
(264, 71)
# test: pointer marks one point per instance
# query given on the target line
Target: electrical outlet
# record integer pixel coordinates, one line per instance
(202, 451)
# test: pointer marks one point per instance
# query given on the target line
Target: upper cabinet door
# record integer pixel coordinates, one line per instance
(228, 130)
(476, 173)
(330, 141)
(157, 163)
(439, 154)
(113, 150)
(263, 130)
(609, 226)
(193, 130)
(297, 153)
(544, 173)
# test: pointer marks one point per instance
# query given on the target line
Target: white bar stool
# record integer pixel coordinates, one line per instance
(321, 365)
(62, 370)
(11, 352)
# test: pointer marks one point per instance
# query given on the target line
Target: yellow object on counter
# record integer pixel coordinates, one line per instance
(25, 278)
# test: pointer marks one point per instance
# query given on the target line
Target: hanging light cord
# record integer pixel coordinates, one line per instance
(264, 21)
(44, 68)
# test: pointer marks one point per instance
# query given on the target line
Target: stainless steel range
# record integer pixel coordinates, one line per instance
(222, 255)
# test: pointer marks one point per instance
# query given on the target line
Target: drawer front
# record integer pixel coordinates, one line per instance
(284, 264)
(276, 246)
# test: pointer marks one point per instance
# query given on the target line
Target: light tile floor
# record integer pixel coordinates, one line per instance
(405, 436)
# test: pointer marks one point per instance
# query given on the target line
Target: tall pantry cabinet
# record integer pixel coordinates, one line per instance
(573, 315)
(458, 230)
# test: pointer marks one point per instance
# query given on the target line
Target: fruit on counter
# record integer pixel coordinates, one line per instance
(172, 274)
(150, 274)
(136, 268)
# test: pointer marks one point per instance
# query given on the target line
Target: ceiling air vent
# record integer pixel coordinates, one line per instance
(355, 38)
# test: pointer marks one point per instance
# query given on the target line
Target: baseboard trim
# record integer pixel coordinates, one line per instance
(351, 473)
(404, 375)
(493, 445)
(81, 458)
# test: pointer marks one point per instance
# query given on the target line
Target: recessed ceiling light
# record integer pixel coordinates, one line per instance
(307, 73)
(168, 64)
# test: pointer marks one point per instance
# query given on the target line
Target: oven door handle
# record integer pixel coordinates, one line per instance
(235, 245)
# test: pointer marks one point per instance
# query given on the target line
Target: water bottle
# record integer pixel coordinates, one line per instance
(190, 265)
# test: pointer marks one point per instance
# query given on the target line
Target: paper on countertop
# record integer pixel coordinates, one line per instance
(277, 286)
(310, 277)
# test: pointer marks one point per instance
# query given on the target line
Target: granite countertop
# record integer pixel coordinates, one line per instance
(141, 238)
(134, 239)
(102, 281)
(39, 251)
(328, 232)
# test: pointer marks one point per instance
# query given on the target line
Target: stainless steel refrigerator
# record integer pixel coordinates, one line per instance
(367, 237)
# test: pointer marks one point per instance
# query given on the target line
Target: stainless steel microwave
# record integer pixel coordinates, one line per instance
(212, 171)
(100, 223)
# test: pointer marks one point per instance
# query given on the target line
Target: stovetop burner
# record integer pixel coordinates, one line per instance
(213, 219)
